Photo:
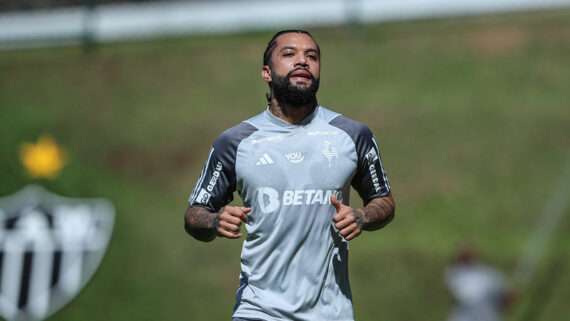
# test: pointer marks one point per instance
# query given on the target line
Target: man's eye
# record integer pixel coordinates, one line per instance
(288, 54)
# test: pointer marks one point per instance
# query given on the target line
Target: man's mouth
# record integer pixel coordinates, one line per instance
(301, 75)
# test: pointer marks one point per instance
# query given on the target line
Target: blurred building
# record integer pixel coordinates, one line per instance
(30, 5)
(33, 23)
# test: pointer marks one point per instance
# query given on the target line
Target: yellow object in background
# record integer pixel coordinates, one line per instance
(44, 159)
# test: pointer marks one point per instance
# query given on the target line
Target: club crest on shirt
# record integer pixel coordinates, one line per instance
(330, 152)
(50, 246)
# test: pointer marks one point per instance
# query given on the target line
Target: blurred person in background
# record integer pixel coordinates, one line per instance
(293, 166)
(480, 292)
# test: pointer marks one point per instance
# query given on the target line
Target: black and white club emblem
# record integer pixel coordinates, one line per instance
(50, 246)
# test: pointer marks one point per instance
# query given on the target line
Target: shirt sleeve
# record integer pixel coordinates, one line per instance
(370, 179)
(217, 182)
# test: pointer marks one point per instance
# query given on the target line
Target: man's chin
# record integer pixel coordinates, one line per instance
(295, 90)
(304, 84)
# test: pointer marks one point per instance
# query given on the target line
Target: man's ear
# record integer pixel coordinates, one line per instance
(266, 73)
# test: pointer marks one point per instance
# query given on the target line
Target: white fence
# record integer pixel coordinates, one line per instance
(131, 21)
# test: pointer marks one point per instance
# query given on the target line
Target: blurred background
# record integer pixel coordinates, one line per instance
(467, 101)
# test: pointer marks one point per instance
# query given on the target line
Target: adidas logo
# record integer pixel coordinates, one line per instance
(264, 159)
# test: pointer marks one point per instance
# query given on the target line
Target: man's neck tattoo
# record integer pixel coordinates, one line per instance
(277, 111)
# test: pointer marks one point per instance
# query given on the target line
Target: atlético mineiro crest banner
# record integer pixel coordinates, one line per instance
(50, 246)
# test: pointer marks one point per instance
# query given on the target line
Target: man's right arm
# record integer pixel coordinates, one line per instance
(201, 223)
(205, 225)
(203, 219)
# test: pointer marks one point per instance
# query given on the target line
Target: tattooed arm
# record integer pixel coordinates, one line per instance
(200, 223)
(375, 215)
(205, 225)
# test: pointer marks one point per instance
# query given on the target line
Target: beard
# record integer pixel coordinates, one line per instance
(286, 92)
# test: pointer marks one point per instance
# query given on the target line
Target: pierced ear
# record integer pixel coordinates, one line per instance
(266, 73)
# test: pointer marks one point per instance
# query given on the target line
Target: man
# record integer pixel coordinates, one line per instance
(293, 166)
(481, 292)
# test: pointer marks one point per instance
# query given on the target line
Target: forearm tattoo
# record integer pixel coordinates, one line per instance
(376, 214)
(201, 223)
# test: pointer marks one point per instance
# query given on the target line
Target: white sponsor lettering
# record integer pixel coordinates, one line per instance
(215, 177)
(371, 156)
(318, 197)
(375, 181)
(272, 139)
(203, 197)
(323, 133)
(269, 201)
(295, 157)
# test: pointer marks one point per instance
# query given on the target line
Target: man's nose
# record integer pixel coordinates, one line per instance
(301, 61)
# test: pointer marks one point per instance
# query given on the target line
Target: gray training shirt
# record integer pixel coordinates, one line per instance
(293, 261)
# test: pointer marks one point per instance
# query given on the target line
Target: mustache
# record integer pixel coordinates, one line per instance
(290, 73)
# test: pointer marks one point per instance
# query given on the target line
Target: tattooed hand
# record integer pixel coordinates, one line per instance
(204, 225)
(351, 222)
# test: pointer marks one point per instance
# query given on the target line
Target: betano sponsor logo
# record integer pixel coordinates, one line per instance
(269, 199)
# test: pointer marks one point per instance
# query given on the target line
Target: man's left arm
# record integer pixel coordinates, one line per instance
(370, 181)
(376, 214)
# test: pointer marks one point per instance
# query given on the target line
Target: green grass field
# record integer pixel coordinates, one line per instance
(472, 117)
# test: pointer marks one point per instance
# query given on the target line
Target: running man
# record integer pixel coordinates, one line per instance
(293, 166)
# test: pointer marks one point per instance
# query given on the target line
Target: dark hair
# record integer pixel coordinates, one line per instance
(273, 43)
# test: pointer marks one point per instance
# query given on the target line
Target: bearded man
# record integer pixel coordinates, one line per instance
(293, 166)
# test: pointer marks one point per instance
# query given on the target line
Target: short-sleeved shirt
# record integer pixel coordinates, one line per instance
(293, 261)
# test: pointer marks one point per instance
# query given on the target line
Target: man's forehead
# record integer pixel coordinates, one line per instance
(297, 40)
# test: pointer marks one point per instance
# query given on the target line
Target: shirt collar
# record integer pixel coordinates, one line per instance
(280, 122)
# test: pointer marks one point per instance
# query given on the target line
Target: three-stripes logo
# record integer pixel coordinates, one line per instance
(50, 246)
(264, 160)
